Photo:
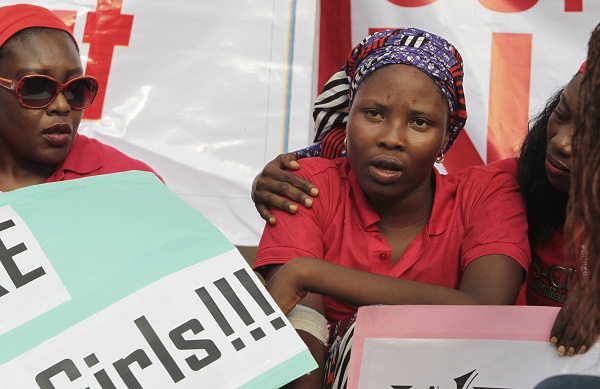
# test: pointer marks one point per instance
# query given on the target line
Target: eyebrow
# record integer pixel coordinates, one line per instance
(68, 73)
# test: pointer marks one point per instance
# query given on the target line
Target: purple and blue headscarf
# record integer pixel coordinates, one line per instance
(429, 53)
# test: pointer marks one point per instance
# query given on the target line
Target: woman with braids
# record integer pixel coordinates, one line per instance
(542, 170)
(583, 216)
(387, 228)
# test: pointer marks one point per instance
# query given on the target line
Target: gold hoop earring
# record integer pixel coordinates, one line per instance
(345, 142)
(440, 158)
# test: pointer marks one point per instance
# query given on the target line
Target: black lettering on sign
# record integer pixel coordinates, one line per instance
(207, 345)
(101, 375)
(248, 283)
(235, 302)
(8, 262)
(122, 367)
(159, 348)
(65, 366)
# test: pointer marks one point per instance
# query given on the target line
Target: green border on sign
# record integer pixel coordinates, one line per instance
(107, 237)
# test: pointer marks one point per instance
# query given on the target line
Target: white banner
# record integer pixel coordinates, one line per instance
(207, 92)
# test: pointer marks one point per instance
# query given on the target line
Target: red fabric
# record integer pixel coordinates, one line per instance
(335, 37)
(509, 165)
(332, 145)
(548, 274)
(89, 157)
(476, 212)
(14, 18)
(583, 67)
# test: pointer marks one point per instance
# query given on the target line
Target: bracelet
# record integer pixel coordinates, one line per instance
(309, 320)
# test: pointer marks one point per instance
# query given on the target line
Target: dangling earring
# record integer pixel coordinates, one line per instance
(440, 158)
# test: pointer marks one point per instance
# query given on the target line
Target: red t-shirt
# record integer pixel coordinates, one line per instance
(90, 157)
(549, 278)
(476, 212)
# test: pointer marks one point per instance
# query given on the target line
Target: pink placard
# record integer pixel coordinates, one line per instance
(527, 323)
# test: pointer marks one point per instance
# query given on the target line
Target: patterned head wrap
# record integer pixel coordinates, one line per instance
(14, 18)
(427, 52)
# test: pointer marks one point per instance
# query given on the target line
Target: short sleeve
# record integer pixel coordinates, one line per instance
(495, 218)
(301, 234)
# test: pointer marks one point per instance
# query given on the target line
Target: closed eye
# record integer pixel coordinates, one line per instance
(560, 116)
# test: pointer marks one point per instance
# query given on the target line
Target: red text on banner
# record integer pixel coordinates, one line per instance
(507, 6)
(104, 29)
(509, 94)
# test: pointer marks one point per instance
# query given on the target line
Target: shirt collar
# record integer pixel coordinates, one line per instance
(83, 158)
(443, 203)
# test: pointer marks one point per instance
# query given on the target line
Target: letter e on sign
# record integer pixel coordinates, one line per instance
(29, 285)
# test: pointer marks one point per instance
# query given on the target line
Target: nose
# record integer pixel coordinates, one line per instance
(59, 105)
(392, 135)
(563, 139)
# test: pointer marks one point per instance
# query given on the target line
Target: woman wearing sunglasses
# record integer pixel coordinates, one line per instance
(43, 93)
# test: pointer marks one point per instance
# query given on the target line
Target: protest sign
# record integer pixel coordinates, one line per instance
(115, 282)
(458, 347)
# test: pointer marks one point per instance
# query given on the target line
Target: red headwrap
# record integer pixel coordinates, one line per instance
(583, 66)
(14, 18)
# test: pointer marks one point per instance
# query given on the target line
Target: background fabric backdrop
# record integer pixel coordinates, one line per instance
(208, 92)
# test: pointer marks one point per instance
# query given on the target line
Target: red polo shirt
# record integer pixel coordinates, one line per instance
(476, 212)
(90, 157)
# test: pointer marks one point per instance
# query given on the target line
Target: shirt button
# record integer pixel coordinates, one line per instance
(382, 255)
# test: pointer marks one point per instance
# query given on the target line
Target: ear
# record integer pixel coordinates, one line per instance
(446, 140)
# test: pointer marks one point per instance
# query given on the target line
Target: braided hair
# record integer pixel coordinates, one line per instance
(584, 206)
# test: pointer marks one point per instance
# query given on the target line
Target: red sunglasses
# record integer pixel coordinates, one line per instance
(39, 91)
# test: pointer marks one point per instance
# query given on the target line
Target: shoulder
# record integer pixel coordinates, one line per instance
(331, 170)
(508, 165)
(110, 159)
(485, 176)
(482, 187)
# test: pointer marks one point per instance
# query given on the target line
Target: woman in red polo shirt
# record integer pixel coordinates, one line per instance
(542, 170)
(43, 93)
(387, 228)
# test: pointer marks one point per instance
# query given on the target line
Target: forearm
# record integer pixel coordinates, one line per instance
(362, 288)
(313, 379)
(314, 336)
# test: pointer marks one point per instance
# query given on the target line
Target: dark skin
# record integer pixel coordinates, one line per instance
(396, 128)
(276, 187)
(567, 334)
(34, 141)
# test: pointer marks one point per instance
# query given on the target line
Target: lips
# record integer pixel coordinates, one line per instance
(556, 167)
(58, 135)
(386, 170)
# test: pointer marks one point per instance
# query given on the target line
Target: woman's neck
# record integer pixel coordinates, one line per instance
(15, 175)
(402, 220)
(413, 209)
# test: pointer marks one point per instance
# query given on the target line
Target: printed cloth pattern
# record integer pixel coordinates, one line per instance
(428, 52)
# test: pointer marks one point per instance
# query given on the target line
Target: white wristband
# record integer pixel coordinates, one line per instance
(308, 320)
